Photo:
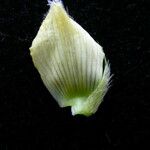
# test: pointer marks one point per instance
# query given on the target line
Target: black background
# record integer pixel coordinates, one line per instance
(30, 118)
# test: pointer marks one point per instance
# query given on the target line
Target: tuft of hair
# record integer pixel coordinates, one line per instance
(53, 1)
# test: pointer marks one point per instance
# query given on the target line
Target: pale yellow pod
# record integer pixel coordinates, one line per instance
(72, 65)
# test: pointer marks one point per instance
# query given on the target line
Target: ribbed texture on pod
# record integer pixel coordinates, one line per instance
(72, 65)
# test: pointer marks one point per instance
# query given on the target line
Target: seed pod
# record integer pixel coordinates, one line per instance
(72, 65)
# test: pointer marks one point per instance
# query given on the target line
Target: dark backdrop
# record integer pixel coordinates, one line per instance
(30, 117)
